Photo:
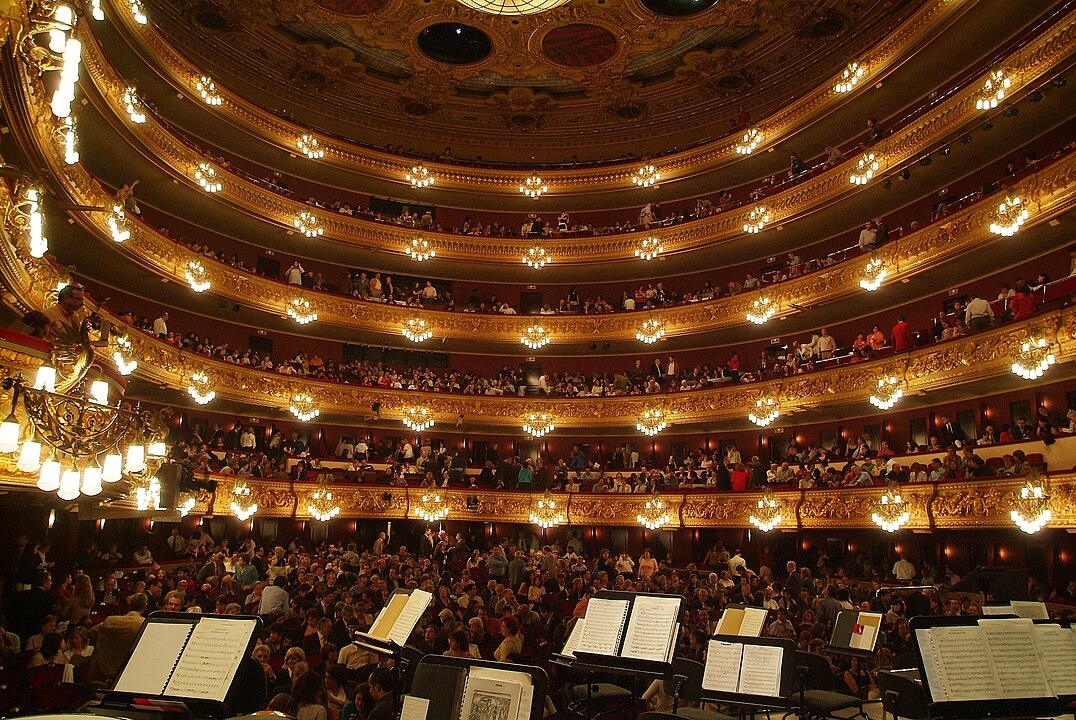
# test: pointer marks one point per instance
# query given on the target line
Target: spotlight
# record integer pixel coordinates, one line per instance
(905, 174)
(946, 150)
(966, 139)
(1010, 111)
(888, 183)
(925, 160)
(1059, 82)
(1037, 96)
(986, 126)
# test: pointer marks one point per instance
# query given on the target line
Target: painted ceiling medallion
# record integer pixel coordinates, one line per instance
(512, 7)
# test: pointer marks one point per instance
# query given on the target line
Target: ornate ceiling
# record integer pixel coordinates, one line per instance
(591, 79)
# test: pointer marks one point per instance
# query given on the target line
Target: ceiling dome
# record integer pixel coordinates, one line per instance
(512, 7)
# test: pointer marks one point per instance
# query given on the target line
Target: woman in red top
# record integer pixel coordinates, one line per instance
(740, 478)
(1023, 302)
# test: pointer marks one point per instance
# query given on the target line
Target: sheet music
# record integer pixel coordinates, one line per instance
(957, 663)
(650, 630)
(417, 602)
(386, 619)
(1019, 668)
(745, 622)
(487, 699)
(1058, 654)
(211, 658)
(997, 610)
(414, 708)
(605, 625)
(147, 671)
(1030, 609)
(574, 636)
(722, 670)
(760, 672)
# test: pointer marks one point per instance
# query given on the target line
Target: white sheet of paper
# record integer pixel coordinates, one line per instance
(211, 658)
(753, 621)
(958, 664)
(1058, 654)
(605, 625)
(417, 602)
(1012, 645)
(722, 670)
(650, 630)
(1030, 609)
(998, 610)
(146, 673)
(574, 636)
(414, 708)
(760, 672)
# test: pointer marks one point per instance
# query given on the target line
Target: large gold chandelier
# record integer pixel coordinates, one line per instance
(654, 514)
(533, 187)
(123, 354)
(321, 505)
(1031, 508)
(304, 407)
(891, 512)
(308, 145)
(874, 273)
(197, 276)
(767, 409)
(646, 176)
(535, 337)
(418, 417)
(302, 310)
(1010, 215)
(206, 176)
(545, 513)
(243, 502)
(207, 90)
(649, 248)
(749, 142)
(850, 78)
(864, 170)
(756, 219)
(118, 225)
(1033, 359)
(887, 393)
(309, 224)
(651, 422)
(650, 331)
(536, 257)
(431, 508)
(420, 177)
(767, 514)
(993, 90)
(420, 250)
(134, 106)
(416, 330)
(200, 388)
(538, 424)
(762, 309)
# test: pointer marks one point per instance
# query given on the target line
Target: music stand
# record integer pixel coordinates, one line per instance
(745, 695)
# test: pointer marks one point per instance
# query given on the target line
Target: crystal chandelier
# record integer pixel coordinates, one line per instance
(418, 418)
(545, 513)
(873, 274)
(208, 90)
(762, 309)
(420, 177)
(26, 216)
(654, 514)
(651, 331)
(206, 175)
(200, 388)
(849, 78)
(767, 513)
(993, 90)
(864, 170)
(70, 51)
(749, 142)
(243, 504)
(535, 337)
(431, 508)
(302, 310)
(646, 176)
(137, 12)
(1010, 215)
(420, 250)
(649, 248)
(147, 492)
(1031, 508)
(888, 392)
(134, 106)
(533, 187)
(185, 502)
(308, 145)
(416, 330)
(536, 257)
(83, 432)
(70, 138)
(321, 505)
(123, 354)
(303, 407)
(512, 7)
(651, 422)
(767, 409)
(309, 224)
(537, 424)
(892, 511)
(1033, 359)
(96, 11)
(756, 219)
(197, 276)
(118, 226)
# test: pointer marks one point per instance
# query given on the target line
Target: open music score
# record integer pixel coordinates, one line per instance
(640, 626)
(398, 618)
(742, 620)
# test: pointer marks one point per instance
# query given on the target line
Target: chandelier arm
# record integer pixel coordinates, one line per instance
(76, 426)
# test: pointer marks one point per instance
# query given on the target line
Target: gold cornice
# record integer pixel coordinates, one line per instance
(886, 54)
(942, 122)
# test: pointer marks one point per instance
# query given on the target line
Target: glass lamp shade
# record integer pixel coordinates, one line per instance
(9, 435)
(49, 481)
(157, 450)
(46, 378)
(91, 480)
(30, 457)
(136, 459)
(99, 392)
(69, 485)
(112, 468)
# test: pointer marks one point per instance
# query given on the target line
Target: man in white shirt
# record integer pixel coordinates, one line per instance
(826, 345)
(247, 441)
(275, 598)
(295, 274)
(160, 326)
(903, 569)
(978, 314)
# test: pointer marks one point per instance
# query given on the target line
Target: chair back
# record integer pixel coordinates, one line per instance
(903, 696)
(814, 670)
(692, 670)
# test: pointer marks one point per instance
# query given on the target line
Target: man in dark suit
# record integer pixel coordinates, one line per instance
(312, 643)
(381, 684)
(951, 432)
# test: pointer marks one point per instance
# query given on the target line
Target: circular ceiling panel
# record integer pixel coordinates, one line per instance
(352, 8)
(454, 43)
(678, 8)
(512, 7)
(579, 45)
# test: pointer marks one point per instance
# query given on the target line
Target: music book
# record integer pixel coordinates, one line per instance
(398, 618)
(996, 659)
(466, 689)
(494, 694)
(572, 643)
(741, 620)
(642, 627)
(1019, 608)
(183, 659)
(745, 669)
(856, 630)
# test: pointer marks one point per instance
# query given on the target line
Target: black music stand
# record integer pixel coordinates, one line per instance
(441, 680)
(785, 679)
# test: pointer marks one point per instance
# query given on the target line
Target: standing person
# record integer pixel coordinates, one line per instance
(294, 274)
(160, 326)
(901, 336)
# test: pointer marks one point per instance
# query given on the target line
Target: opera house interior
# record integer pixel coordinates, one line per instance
(794, 278)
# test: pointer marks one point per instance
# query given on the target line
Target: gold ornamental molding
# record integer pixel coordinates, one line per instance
(943, 121)
(885, 54)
